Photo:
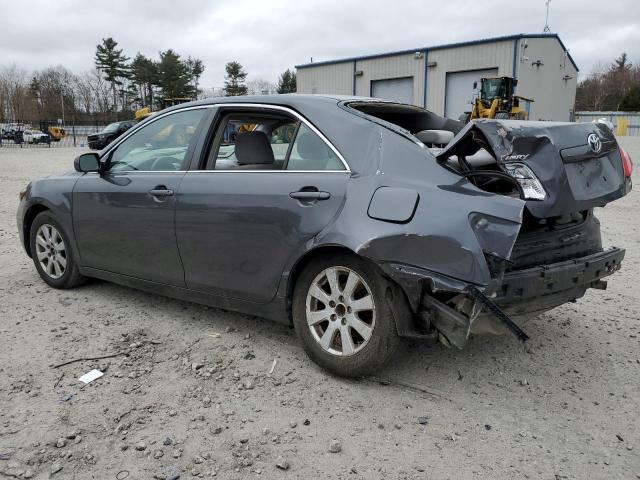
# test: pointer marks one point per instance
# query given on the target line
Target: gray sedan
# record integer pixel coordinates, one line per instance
(356, 220)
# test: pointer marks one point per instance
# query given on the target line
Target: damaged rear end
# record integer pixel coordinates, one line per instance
(563, 171)
(503, 231)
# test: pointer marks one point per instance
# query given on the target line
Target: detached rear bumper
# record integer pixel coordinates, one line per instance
(537, 289)
(446, 307)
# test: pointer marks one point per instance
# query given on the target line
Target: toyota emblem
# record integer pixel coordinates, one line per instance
(594, 143)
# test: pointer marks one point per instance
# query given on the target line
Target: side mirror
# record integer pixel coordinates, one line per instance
(87, 162)
(475, 85)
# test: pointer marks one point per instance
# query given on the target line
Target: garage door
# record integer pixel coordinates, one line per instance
(459, 90)
(396, 89)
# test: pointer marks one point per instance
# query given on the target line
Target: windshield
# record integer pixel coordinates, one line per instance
(491, 88)
(112, 127)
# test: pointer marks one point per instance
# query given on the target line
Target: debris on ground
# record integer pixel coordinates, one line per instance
(282, 464)
(335, 446)
(91, 376)
(180, 386)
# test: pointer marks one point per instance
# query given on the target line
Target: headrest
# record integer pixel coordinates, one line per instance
(311, 147)
(439, 137)
(253, 148)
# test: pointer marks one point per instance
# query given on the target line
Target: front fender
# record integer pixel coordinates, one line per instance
(54, 194)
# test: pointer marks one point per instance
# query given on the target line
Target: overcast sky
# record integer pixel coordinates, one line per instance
(267, 37)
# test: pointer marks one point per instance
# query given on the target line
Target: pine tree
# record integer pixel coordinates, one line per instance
(174, 78)
(622, 64)
(144, 73)
(195, 69)
(234, 80)
(631, 101)
(287, 82)
(113, 64)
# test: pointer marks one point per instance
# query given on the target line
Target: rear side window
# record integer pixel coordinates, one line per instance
(310, 152)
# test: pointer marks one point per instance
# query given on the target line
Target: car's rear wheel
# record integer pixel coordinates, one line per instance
(52, 253)
(342, 316)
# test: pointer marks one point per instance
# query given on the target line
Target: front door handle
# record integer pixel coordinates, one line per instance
(310, 195)
(161, 191)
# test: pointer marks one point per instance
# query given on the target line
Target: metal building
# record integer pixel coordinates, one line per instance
(441, 78)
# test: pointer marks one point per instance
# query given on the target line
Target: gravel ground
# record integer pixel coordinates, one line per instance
(194, 395)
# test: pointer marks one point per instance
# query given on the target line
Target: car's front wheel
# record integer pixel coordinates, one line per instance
(52, 253)
(342, 316)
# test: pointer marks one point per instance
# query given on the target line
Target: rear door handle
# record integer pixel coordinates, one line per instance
(310, 195)
(161, 191)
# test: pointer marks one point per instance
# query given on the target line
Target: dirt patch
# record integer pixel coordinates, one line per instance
(194, 391)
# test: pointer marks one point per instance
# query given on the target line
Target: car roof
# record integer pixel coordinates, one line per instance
(293, 100)
(322, 110)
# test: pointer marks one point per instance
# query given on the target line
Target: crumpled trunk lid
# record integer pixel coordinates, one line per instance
(578, 164)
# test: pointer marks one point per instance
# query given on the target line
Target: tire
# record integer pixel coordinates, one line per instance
(365, 351)
(502, 116)
(47, 251)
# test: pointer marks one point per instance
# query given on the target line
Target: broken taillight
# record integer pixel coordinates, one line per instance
(531, 186)
(627, 164)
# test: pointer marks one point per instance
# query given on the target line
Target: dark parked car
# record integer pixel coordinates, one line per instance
(100, 140)
(358, 221)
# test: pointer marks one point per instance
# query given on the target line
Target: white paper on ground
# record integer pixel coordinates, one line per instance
(91, 376)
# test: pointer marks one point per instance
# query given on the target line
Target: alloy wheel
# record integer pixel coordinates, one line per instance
(51, 251)
(340, 311)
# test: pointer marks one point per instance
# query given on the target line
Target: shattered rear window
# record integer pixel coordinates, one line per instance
(407, 118)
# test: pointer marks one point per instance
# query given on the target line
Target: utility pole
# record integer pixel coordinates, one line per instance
(62, 104)
(546, 28)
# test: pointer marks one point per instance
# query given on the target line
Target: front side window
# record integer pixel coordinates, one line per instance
(160, 145)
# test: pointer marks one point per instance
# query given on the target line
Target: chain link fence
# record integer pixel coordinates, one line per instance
(45, 134)
(627, 124)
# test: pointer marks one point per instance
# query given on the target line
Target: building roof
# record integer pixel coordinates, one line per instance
(442, 47)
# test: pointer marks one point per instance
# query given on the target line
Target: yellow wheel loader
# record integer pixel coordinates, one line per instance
(496, 100)
(145, 112)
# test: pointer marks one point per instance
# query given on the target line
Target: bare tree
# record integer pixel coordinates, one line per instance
(607, 87)
(53, 89)
(102, 92)
(260, 86)
(84, 91)
(15, 101)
